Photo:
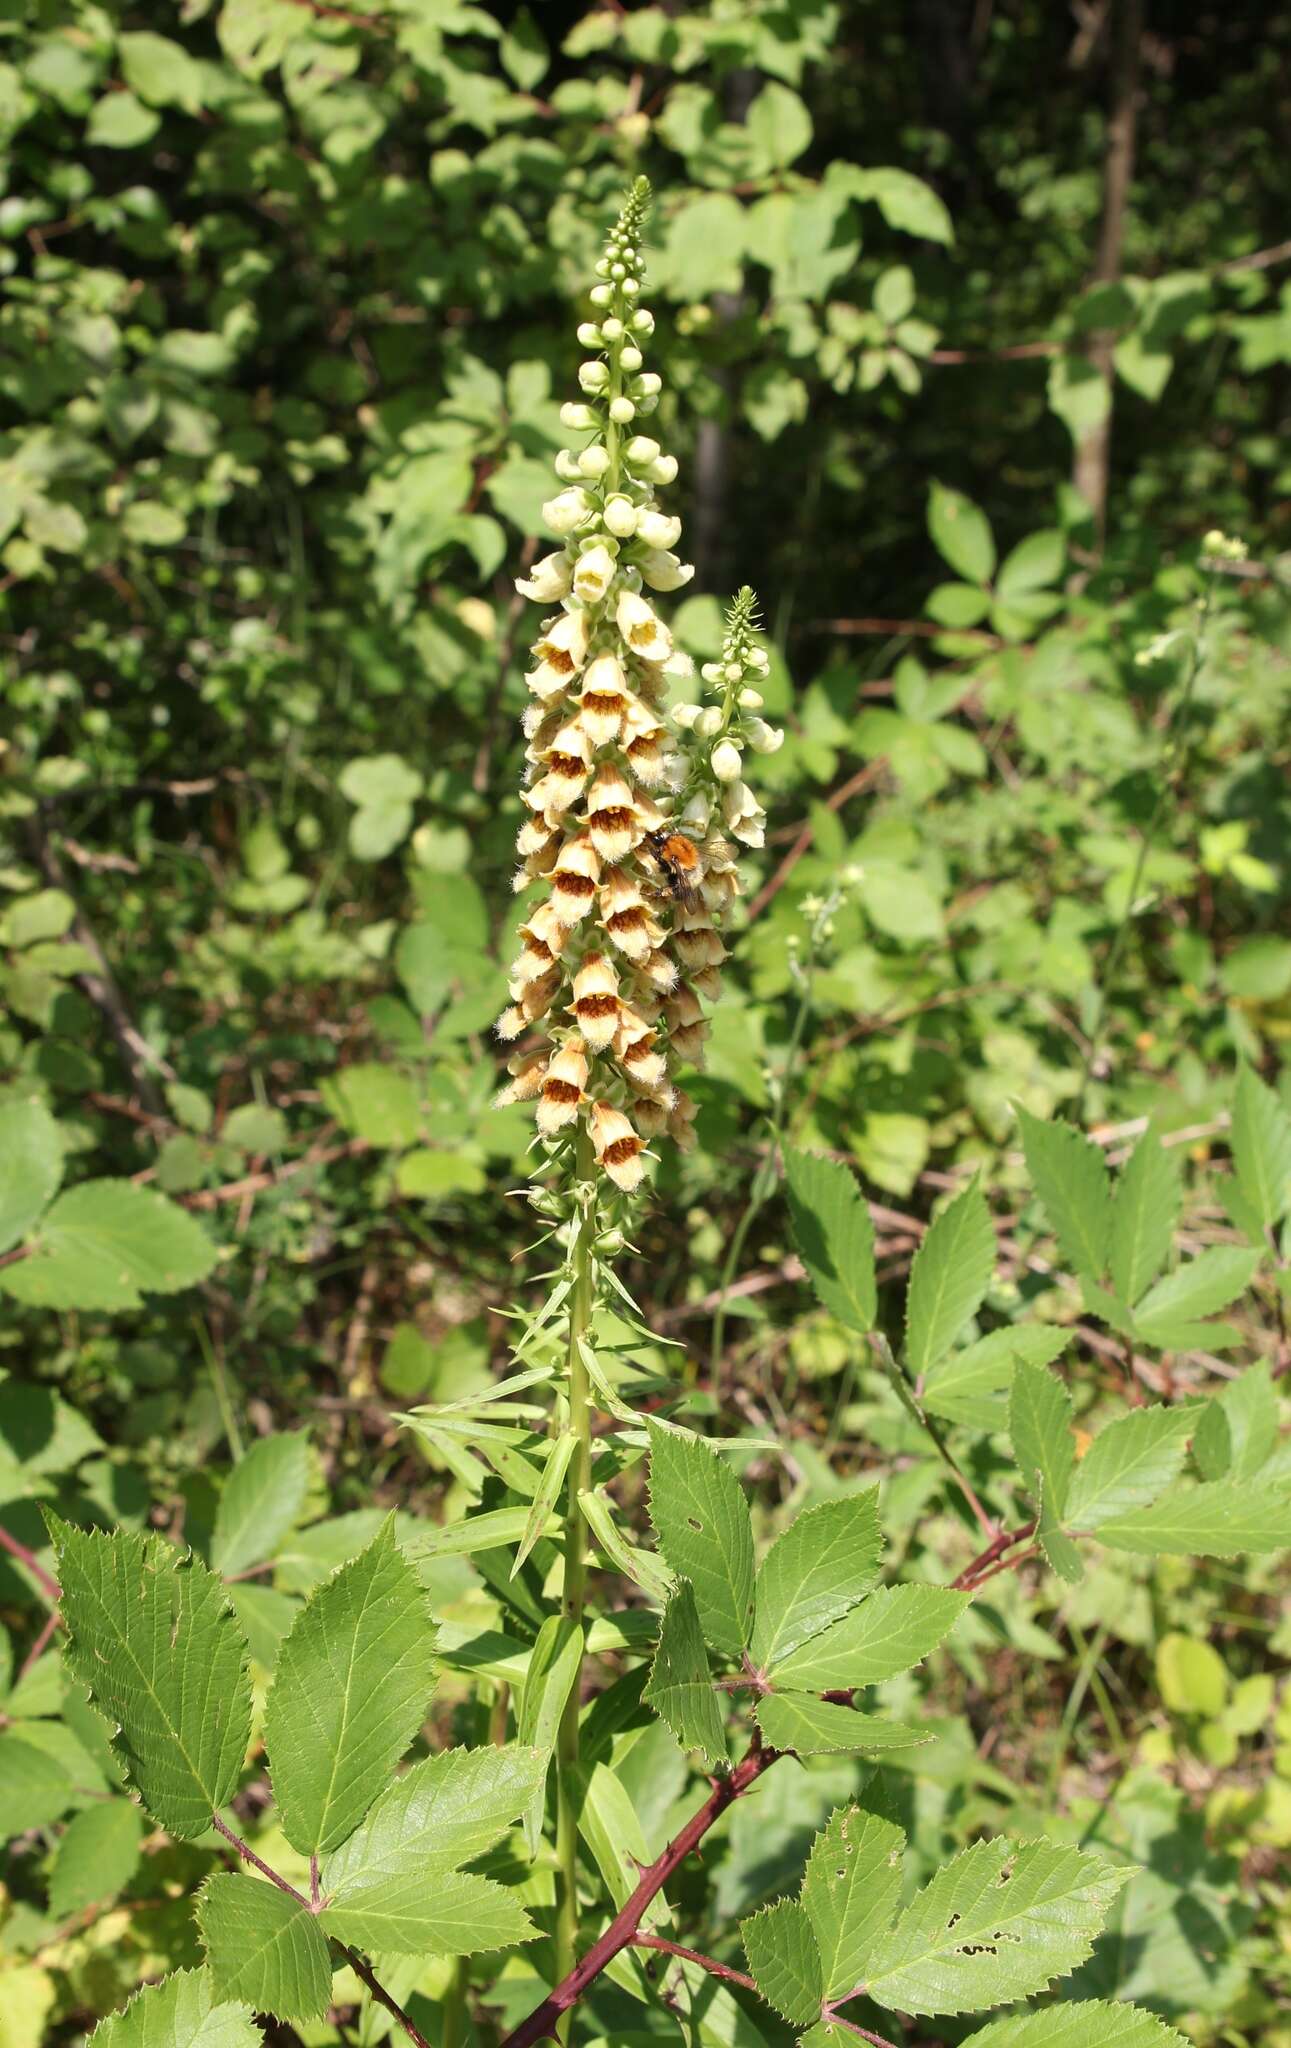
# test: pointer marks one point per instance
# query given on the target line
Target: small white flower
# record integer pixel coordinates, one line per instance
(548, 579)
(659, 529)
(620, 517)
(684, 715)
(566, 511)
(593, 376)
(662, 570)
(709, 722)
(566, 466)
(725, 761)
(642, 632)
(593, 574)
(698, 812)
(664, 471)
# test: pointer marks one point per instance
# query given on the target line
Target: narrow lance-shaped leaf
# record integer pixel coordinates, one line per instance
(553, 1667)
(1145, 1209)
(351, 1689)
(264, 1947)
(1040, 1426)
(702, 1521)
(850, 1892)
(1069, 1174)
(831, 1223)
(818, 1568)
(948, 1281)
(545, 1496)
(153, 1636)
(999, 1922)
(681, 1688)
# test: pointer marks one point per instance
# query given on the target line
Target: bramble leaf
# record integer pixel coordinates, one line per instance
(1216, 1519)
(890, 1631)
(702, 1521)
(181, 2012)
(152, 1634)
(1086, 2024)
(352, 1684)
(681, 1687)
(998, 1922)
(1145, 1209)
(1129, 1463)
(444, 1811)
(264, 1947)
(1040, 1426)
(107, 1243)
(1197, 1288)
(782, 1954)
(1261, 1145)
(949, 1278)
(819, 1567)
(809, 1726)
(1069, 1174)
(261, 1502)
(832, 1227)
(98, 1854)
(458, 1914)
(31, 1166)
(850, 1892)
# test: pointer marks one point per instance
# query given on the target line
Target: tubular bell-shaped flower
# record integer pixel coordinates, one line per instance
(628, 808)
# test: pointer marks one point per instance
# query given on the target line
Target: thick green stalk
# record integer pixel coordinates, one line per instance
(575, 1587)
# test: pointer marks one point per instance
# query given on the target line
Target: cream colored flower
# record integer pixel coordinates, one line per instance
(642, 631)
(614, 819)
(574, 878)
(548, 580)
(562, 1087)
(596, 1001)
(567, 510)
(617, 1146)
(663, 571)
(593, 574)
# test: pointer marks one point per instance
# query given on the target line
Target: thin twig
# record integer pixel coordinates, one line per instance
(692, 1955)
(48, 1585)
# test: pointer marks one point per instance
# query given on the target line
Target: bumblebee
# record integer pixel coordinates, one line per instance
(678, 859)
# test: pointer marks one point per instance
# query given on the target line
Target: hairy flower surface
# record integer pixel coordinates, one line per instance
(633, 814)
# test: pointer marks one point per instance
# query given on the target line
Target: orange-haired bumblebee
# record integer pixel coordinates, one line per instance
(678, 857)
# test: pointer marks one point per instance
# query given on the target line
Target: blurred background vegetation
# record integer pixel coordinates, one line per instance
(973, 319)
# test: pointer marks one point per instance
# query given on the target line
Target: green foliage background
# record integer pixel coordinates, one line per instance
(289, 294)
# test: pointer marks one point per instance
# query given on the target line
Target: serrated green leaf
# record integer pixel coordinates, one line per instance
(702, 1521)
(107, 1243)
(809, 1726)
(1043, 1445)
(31, 1167)
(964, 1386)
(98, 1854)
(1198, 1288)
(1145, 1210)
(681, 1687)
(1129, 1463)
(457, 1914)
(153, 1636)
(818, 1568)
(999, 1922)
(1089, 2024)
(781, 1949)
(261, 1503)
(850, 1892)
(445, 1811)
(832, 1227)
(948, 1281)
(264, 1947)
(1069, 1173)
(34, 1788)
(351, 1689)
(890, 1631)
(1250, 1409)
(181, 2012)
(1261, 1146)
(1218, 1519)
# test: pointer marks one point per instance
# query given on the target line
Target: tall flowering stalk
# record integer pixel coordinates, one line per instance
(635, 815)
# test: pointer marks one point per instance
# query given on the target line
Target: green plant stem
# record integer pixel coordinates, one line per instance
(575, 1587)
(1171, 764)
(764, 1179)
(452, 2024)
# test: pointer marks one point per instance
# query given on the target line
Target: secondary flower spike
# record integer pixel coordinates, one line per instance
(633, 812)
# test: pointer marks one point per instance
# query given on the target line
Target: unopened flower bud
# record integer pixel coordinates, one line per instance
(709, 722)
(631, 358)
(611, 329)
(750, 700)
(685, 715)
(763, 738)
(548, 580)
(649, 384)
(593, 376)
(643, 320)
(594, 461)
(620, 516)
(566, 511)
(642, 449)
(577, 417)
(601, 294)
(622, 410)
(664, 471)
(725, 761)
(662, 570)
(659, 529)
(589, 334)
(566, 465)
